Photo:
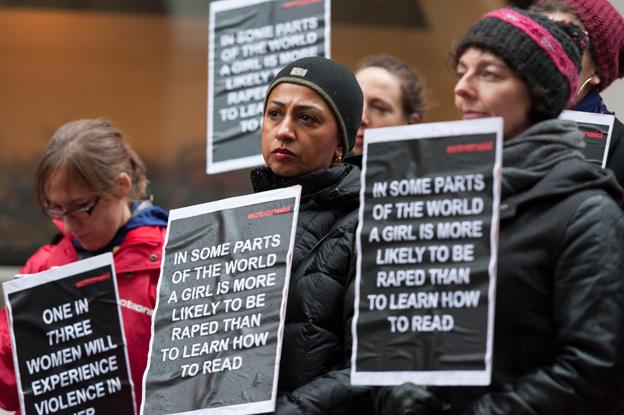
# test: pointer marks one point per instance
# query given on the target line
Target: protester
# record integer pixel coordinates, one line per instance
(603, 61)
(394, 94)
(558, 331)
(312, 112)
(93, 185)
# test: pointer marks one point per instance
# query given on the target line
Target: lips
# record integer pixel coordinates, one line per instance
(471, 114)
(282, 153)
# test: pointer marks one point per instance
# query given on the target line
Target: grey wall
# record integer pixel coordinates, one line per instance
(614, 95)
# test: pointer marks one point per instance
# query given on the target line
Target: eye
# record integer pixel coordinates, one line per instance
(307, 118)
(380, 107)
(460, 72)
(52, 206)
(82, 205)
(489, 75)
(273, 112)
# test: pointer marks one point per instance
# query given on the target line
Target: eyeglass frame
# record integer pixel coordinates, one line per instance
(58, 214)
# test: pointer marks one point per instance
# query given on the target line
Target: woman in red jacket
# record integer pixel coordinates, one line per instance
(92, 184)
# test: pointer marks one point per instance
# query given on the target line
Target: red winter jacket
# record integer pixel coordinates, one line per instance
(137, 266)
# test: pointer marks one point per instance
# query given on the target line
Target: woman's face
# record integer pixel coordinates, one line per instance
(382, 102)
(107, 215)
(299, 131)
(487, 87)
(588, 69)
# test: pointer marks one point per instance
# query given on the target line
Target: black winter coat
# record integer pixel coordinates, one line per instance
(316, 351)
(559, 323)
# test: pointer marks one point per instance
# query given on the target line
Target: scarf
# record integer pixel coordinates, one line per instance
(529, 157)
(592, 103)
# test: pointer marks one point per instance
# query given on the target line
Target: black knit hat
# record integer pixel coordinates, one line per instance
(545, 54)
(335, 83)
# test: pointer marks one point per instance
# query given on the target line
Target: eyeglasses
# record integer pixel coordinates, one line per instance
(81, 212)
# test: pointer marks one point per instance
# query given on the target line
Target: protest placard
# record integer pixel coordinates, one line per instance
(219, 317)
(68, 341)
(249, 42)
(597, 130)
(427, 243)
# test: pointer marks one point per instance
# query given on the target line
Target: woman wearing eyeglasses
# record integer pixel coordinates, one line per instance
(92, 184)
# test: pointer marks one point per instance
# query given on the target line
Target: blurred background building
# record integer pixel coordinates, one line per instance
(143, 65)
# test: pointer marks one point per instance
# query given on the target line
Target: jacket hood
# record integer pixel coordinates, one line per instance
(546, 163)
(566, 178)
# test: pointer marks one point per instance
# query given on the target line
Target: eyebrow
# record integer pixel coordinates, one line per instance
(72, 203)
(380, 99)
(297, 106)
(484, 62)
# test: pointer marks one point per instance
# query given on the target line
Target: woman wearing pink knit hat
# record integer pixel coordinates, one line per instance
(603, 60)
(558, 343)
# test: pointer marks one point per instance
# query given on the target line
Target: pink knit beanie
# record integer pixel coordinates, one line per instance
(606, 37)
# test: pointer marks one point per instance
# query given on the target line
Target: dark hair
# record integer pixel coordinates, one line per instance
(554, 6)
(94, 154)
(413, 94)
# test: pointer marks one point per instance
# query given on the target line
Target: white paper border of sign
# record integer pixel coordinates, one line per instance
(226, 204)
(27, 281)
(592, 118)
(218, 6)
(420, 131)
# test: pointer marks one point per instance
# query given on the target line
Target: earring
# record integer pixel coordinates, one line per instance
(337, 159)
(583, 85)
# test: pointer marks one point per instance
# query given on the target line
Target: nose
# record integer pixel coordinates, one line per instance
(69, 224)
(463, 87)
(365, 118)
(285, 130)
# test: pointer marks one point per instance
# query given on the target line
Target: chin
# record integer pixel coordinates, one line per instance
(284, 171)
(91, 245)
(289, 170)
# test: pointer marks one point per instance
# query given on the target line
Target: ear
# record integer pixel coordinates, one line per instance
(124, 185)
(413, 118)
(339, 151)
(595, 79)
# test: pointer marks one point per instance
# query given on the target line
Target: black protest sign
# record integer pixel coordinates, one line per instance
(221, 305)
(427, 253)
(597, 130)
(68, 341)
(249, 42)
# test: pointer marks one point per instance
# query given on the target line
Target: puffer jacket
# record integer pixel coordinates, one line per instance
(137, 266)
(559, 321)
(316, 351)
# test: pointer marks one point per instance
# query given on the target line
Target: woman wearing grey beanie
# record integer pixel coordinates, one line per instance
(312, 112)
(559, 318)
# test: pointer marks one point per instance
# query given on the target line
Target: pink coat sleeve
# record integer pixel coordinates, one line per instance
(8, 389)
